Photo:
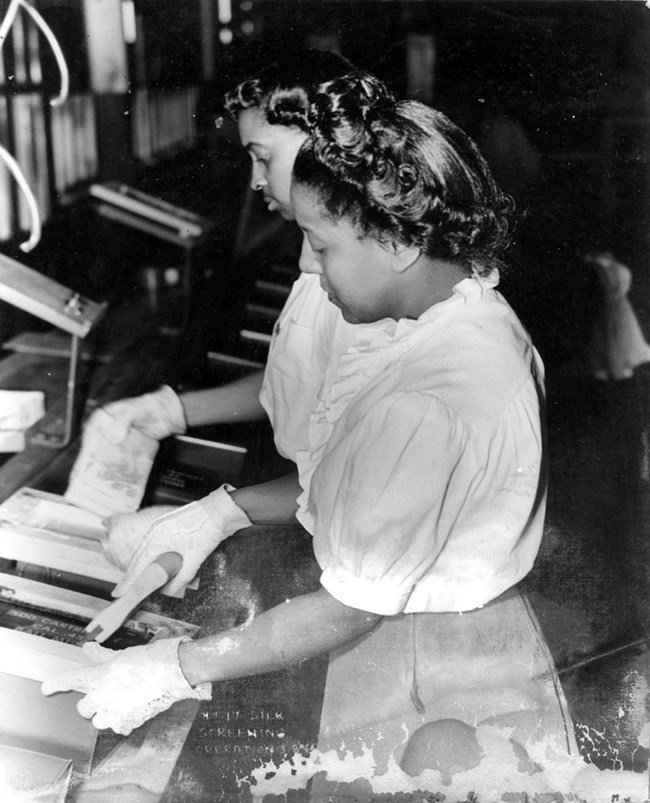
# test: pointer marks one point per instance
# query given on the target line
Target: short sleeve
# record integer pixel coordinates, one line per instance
(385, 497)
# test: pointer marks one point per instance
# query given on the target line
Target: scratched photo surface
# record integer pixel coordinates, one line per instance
(557, 97)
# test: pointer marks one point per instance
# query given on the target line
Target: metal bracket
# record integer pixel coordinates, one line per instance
(57, 441)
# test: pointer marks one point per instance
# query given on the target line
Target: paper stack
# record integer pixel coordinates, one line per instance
(19, 409)
(109, 478)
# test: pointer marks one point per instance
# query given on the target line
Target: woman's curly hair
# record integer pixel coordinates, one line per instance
(403, 172)
(284, 90)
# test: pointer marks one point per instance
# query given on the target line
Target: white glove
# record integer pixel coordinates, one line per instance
(124, 533)
(615, 277)
(158, 415)
(125, 688)
(194, 531)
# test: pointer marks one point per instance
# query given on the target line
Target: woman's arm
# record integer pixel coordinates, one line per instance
(273, 502)
(195, 530)
(229, 404)
(299, 629)
(124, 688)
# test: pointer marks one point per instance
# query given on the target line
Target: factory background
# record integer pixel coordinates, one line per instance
(557, 94)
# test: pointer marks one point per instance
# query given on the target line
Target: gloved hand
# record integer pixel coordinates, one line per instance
(125, 688)
(194, 531)
(614, 276)
(618, 345)
(158, 415)
(124, 533)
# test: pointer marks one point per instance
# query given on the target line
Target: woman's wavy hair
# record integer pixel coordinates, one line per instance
(402, 172)
(284, 90)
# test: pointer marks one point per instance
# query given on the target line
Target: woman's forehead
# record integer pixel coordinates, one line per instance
(254, 128)
(252, 125)
(311, 213)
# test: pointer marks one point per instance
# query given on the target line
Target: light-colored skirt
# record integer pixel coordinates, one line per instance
(490, 666)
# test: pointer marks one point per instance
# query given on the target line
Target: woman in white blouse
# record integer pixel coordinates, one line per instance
(423, 480)
(271, 109)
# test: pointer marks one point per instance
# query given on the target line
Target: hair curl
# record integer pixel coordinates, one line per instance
(402, 171)
(284, 90)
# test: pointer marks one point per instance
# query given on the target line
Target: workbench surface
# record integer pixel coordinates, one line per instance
(249, 722)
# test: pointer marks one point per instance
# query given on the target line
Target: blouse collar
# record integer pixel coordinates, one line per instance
(472, 288)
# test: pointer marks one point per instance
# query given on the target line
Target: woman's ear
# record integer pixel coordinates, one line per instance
(405, 256)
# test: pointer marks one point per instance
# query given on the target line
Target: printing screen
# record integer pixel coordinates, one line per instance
(60, 627)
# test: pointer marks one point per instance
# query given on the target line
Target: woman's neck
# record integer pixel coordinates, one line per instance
(428, 282)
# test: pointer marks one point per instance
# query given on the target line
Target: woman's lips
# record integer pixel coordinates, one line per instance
(330, 296)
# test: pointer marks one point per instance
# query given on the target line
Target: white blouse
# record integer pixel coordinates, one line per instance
(308, 340)
(423, 481)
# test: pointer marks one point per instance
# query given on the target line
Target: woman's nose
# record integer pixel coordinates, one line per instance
(258, 181)
(308, 262)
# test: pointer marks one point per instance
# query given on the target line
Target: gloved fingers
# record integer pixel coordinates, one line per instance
(118, 521)
(140, 522)
(139, 562)
(96, 653)
(111, 422)
(190, 566)
(186, 530)
(174, 588)
(148, 548)
(125, 533)
(177, 586)
(116, 540)
(80, 680)
(104, 720)
(87, 707)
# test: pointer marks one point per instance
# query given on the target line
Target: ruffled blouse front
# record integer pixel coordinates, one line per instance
(308, 339)
(422, 480)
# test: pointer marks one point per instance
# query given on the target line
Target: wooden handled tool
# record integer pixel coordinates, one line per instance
(154, 576)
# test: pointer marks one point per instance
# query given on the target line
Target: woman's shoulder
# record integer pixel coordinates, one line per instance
(476, 362)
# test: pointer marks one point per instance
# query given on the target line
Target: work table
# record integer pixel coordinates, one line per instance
(249, 722)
